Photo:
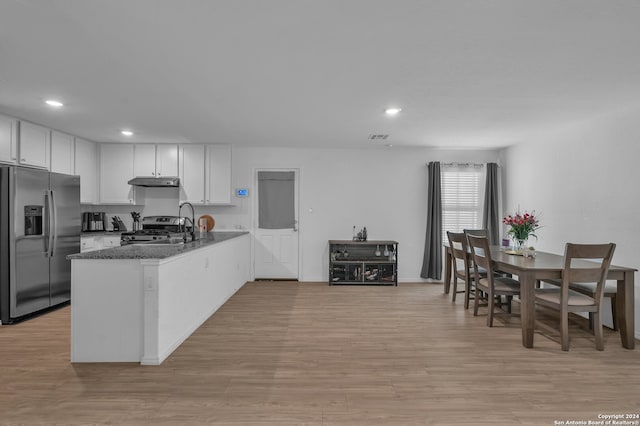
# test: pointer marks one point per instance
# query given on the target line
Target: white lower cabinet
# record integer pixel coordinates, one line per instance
(160, 302)
(116, 169)
(87, 244)
(110, 241)
(98, 242)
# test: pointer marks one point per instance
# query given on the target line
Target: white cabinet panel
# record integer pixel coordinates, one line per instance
(62, 153)
(110, 241)
(219, 174)
(156, 160)
(116, 169)
(8, 140)
(167, 160)
(192, 173)
(144, 160)
(86, 166)
(87, 244)
(34, 145)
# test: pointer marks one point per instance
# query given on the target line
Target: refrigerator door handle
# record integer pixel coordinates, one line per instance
(53, 233)
(47, 225)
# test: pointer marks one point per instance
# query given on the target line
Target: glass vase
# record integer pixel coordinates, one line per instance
(521, 245)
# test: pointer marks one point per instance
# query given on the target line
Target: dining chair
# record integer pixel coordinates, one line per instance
(565, 300)
(460, 254)
(476, 232)
(492, 286)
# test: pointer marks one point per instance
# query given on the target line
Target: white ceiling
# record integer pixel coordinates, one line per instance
(467, 73)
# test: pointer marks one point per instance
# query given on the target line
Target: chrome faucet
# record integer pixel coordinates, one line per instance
(184, 225)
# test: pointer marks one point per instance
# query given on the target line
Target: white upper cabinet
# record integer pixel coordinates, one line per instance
(8, 140)
(167, 160)
(86, 166)
(156, 160)
(62, 153)
(219, 174)
(144, 160)
(116, 169)
(34, 145)
(205, 174)
(192, 173)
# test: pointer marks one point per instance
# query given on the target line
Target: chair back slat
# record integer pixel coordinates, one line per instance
(481, 253)
(476, 232)
(459, 248)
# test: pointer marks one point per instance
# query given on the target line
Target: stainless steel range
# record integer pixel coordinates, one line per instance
(158, 229)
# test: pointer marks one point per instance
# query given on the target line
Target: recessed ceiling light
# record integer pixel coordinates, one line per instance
(392, 111)
(127, 132)
(54, 103)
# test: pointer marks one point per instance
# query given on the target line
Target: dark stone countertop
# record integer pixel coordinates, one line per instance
(160, 251)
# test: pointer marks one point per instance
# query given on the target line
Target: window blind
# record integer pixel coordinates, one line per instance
(462, 198)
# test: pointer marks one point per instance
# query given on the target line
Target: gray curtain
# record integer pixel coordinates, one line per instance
(432, 261)
(491, 217)
(276, 200)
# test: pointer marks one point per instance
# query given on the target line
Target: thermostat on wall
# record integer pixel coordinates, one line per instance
(242, 192)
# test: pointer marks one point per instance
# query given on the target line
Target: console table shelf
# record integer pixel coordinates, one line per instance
(372, 262)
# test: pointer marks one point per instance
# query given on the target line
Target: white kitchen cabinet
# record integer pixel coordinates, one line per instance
(156, 160)
(87, 244)
(8, 140)
(98, 242)
(110, 241)
(116, 169)
(167, 160)
(62, 153)
(218, 174)
(205, 174)
(86, 166)
(34, 145)
(192, 173)
(144, 160)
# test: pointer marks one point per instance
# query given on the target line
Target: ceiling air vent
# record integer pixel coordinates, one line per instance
(378, 137)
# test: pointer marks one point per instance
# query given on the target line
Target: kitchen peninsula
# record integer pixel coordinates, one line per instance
(138, 303)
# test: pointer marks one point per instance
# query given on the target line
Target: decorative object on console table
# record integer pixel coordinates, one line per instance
(359, 262)
(360, 236)
(522, 226)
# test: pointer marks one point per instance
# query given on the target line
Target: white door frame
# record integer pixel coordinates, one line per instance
(255, 210)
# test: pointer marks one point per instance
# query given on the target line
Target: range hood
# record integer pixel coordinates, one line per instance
(155, 182)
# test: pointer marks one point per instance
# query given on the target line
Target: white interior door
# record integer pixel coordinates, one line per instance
(276, 224)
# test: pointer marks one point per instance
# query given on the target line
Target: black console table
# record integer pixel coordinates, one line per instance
(363, 262)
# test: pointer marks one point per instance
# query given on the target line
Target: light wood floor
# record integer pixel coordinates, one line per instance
(311, 354)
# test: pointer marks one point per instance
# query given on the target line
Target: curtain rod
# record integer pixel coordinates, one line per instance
(476, 165)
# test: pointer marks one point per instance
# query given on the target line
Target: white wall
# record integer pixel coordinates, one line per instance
(382, 189)
(583, 180)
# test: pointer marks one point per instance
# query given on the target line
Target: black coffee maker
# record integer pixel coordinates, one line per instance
(93, 222)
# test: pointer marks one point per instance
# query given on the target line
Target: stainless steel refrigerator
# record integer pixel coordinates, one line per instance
(39, 227)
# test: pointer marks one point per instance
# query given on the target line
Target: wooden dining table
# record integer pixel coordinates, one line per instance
(550, 266)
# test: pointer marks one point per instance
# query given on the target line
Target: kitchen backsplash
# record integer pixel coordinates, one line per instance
(165, 201)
